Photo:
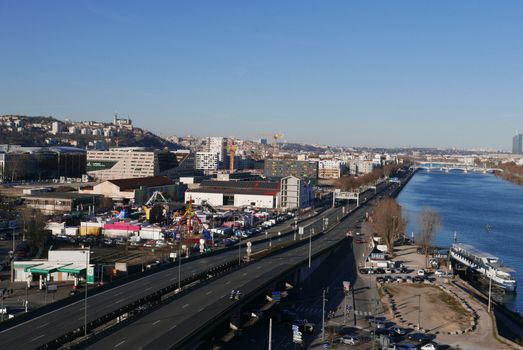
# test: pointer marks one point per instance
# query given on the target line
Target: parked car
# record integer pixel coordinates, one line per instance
(398, 330)
(350, 340)
(421, 272)
(440, 273)
(429, 346)
(150, 243)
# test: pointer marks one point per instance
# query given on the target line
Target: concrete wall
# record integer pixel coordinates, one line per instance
(260, 201)
(214, 199)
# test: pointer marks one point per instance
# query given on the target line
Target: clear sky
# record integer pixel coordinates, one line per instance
(376, 73)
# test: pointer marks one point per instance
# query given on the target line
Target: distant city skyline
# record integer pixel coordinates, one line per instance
(349, 73)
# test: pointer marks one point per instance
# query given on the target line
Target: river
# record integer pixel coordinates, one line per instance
(467, 204)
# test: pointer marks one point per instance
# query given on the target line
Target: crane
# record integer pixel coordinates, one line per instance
(231, 147)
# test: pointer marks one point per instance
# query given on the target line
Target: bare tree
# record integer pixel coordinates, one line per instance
(429, 222)
(388, 222)
(34, 223)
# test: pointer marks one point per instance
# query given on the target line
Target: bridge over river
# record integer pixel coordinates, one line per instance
(454, 166)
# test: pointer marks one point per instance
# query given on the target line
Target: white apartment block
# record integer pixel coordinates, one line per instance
(206, 161)
(331, 169)
(218, 145)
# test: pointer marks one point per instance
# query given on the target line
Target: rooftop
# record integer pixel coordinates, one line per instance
(137, 182)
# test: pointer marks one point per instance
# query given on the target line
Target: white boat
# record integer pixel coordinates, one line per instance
(486, 264)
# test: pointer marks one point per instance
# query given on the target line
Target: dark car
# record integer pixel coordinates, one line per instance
(419, 337)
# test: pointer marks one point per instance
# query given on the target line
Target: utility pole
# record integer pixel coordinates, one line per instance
(345, 308)
(86, 252)
(295, 227)
(489, 293)
(180, 263)
(419, 311)
(270, 333)
(310, 248)
(323, 319)
(240, 251)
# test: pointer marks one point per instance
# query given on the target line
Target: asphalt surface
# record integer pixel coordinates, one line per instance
(45, 328)
(170, 325)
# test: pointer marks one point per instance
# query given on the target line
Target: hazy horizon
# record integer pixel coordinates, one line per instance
(353, 73)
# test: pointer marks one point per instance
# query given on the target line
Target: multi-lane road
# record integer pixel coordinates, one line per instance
(183, 320)
(43, 329)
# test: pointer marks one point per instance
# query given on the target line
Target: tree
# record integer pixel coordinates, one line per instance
(429, 222)
(34, 224)
(388, 222)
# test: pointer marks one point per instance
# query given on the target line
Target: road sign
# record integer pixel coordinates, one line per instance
(349, 308)
(276, 295)
(301, 230)
(325, 345)
(249, 244)
(295, 327)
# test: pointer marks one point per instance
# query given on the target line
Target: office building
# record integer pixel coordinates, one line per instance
(517, 144)
(218, 145)
(295, 193)
(130, 162)
(206, 161)
(331, 169)
(277, 169)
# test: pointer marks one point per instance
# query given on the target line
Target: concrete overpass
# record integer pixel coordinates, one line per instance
(453, 166)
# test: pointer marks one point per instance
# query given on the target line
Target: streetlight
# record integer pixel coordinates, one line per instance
(87, 253)
(240, 250)
(310, 246)
(295, 227)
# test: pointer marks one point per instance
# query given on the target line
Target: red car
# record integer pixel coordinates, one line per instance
(360, 240)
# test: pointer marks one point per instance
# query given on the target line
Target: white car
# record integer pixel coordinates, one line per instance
(429, 346)
(421, 272)
(439, 273)
(350, 340)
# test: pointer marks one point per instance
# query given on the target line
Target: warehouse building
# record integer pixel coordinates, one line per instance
(63, 202)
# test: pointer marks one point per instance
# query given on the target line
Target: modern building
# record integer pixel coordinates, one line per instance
(295, 193)
(331, 169)
(517, 144)
(360, 167)
(136, 190)
(277, 169)
(260, 194)
(40, 163)
(218, 145)
(50, 203)
(56, 127)
(206, 161)
(127, 162)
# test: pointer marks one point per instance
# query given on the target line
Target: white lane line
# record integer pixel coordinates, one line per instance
(259, 267)
(172, 279)
(120, 343)
(209, 292)
(183, 307)
(40, 336)
(173, 327)
(148, 288)
(203, 308)
(146, 283)
(244, 274)
(42, 326)
(117, 294)
(119, 300)
(156, 322)
(227, 282)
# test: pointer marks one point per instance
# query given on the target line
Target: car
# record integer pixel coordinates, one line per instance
(428, 346)
(149, 243)
(440, 273)
(360, 241)
(419, 337)
(421, 272)
(407, 346)
(350, 340)
(380, 270)
(398, 330)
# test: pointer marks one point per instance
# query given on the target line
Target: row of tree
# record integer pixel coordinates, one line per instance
(511, 172)
(351, 183)
(387, 221)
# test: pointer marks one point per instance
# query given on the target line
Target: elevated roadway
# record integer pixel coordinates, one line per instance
(44, 329)
(183, 322)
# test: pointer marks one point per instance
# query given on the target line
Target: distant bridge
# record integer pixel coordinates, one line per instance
(451, 166)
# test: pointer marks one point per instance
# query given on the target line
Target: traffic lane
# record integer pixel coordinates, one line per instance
(103, 303)
(180, 316)
(296, 255)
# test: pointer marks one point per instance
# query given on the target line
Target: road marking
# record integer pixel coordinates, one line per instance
(227, 282)
(203, 308)
(117, 294)
(259, 267)
(173, 327)
(156, 322)
(244, 274)
(120, 343)
(209, 292)
(45, 324)
(119, 300)
(172, 279)
(148, 288)
(40, 336)
(146, 283)
(183, 307)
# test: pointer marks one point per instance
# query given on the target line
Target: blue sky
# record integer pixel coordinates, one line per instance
(376, 73)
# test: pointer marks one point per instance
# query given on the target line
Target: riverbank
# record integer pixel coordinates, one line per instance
(511, 172)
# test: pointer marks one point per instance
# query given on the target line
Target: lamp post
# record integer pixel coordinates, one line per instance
(86, 252)
(295, 227)
(310, 246)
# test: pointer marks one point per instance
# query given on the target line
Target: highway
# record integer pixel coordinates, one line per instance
(173, 324)
(43, 329)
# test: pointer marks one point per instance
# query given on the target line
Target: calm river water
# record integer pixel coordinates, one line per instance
(467, 203)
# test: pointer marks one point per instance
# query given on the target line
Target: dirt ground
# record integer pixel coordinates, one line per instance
(439, 311)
